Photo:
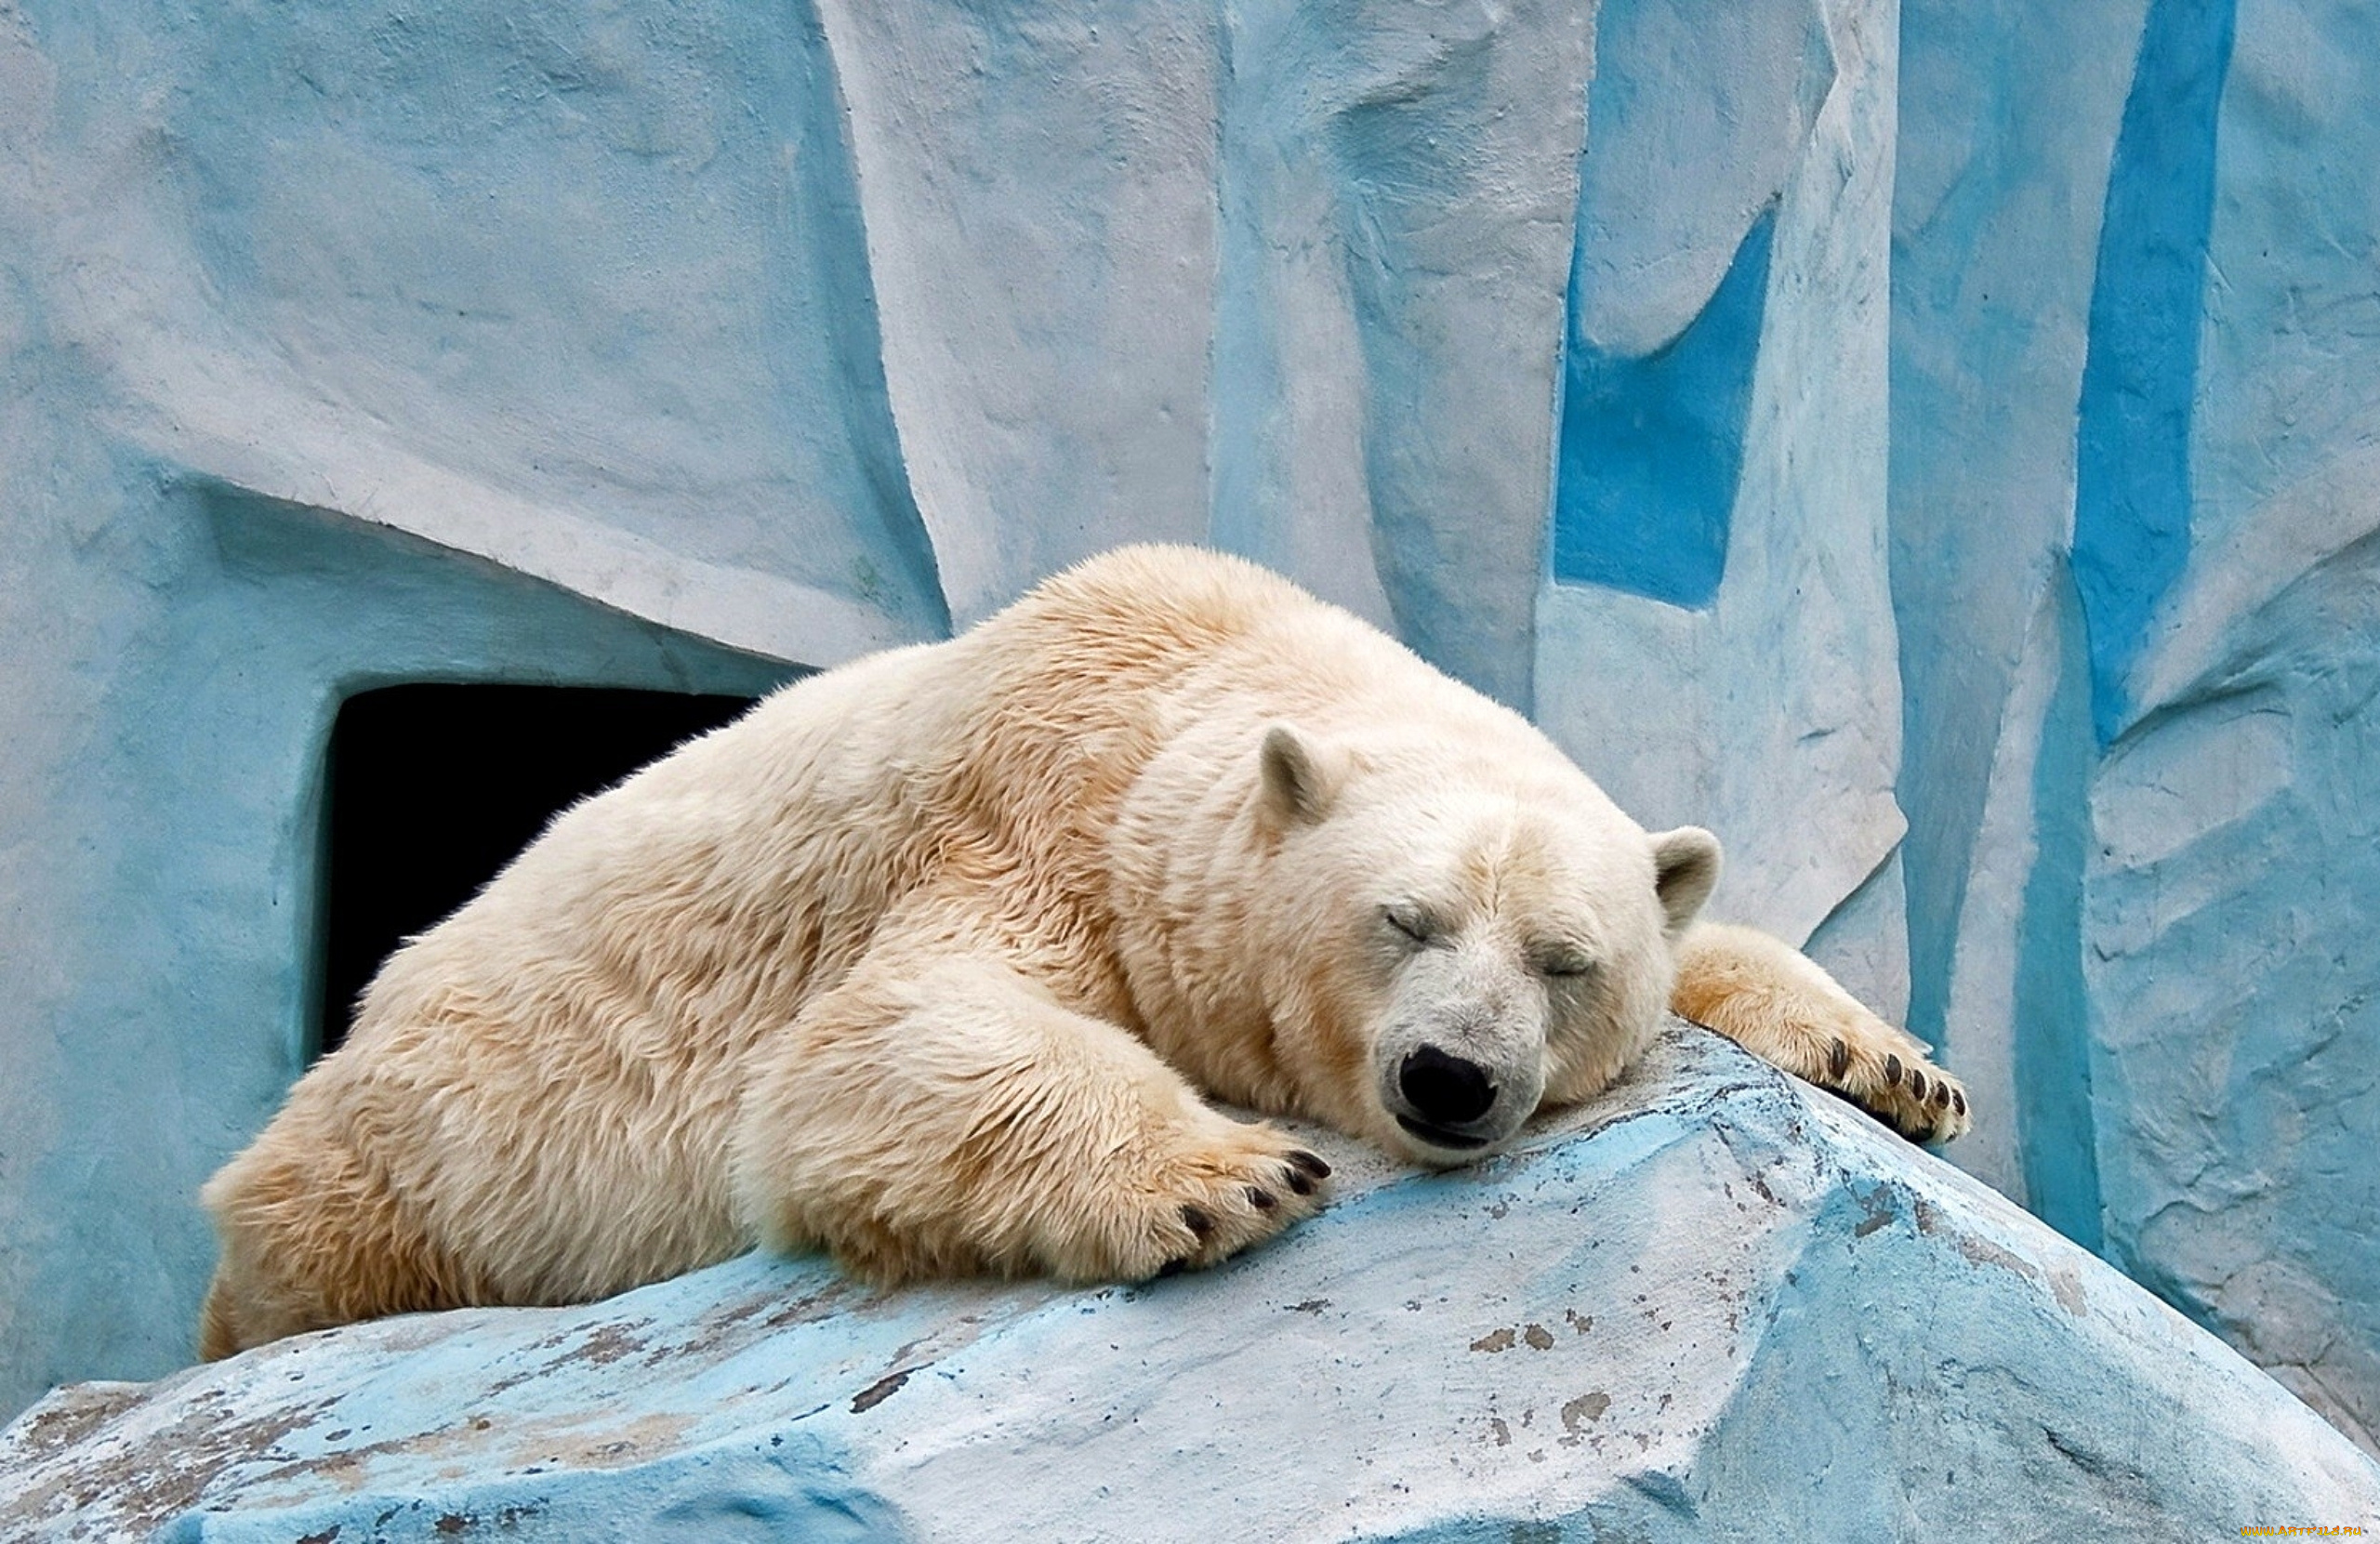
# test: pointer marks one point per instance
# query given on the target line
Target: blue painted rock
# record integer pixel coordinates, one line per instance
(1712, 1304)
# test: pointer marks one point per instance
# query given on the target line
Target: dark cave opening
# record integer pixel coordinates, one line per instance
(430, 790)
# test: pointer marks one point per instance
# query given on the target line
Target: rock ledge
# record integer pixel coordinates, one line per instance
(1714, 1304)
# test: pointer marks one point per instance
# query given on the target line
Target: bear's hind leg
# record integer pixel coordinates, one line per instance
(219, 1325)
(950, 1117)
(311, 1239)
(1778, 1004)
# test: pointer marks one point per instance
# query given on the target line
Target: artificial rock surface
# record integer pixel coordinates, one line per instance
(2134, 392)
(1967, 442)
(1929, 442)
(1712, 1305)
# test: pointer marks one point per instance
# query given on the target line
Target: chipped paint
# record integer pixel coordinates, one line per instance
(1585, 1408)
(878, 1392)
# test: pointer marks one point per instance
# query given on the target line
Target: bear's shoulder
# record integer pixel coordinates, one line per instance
(1153, 588)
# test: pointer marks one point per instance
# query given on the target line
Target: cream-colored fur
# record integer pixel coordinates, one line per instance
(933, 960)
(1779, 1004)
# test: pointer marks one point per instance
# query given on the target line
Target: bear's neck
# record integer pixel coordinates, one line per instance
(1180, 857)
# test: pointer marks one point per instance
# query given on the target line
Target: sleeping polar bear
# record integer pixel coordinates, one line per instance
(935, 959)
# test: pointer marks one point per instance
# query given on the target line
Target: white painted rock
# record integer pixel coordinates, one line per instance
(1714, 1304)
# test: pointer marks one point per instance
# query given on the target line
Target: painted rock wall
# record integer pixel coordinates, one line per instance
(1929, 443)
(2132, 514)
(1972, 459)
(1717, 1305)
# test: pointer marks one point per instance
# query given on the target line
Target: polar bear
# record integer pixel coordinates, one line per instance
(935, 961)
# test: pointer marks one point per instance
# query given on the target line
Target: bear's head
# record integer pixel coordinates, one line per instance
(1463, 932)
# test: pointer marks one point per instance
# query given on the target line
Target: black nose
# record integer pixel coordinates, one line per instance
(1445, 1090)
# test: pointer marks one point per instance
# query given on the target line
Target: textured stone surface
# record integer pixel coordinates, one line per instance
(2237, 870)
(1718, 1305)
(1999, 179)
(2135, 378)
(1775, 665)
(2073, 772)
(1930, 442)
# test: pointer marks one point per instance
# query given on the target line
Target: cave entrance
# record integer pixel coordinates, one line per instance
(430, 789)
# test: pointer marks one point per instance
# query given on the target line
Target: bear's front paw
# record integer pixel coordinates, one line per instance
(1201, 1199)
(1833, 1042)
(1885, 1073)
(1778, 1004)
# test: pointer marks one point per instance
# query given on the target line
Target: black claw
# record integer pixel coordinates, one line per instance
(1941, 1093)
(1299, 1182)
(1917, 1086)
(1311, 1164)
(1838, 1059)
(1199, 1223)
(1959, 1102)
(1892, 1071)
(1174, 1267)
(1261, 1199)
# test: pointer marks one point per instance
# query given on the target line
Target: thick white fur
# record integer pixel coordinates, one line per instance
(930, 961)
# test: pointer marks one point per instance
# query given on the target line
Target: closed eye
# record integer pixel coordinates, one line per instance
(1414, 923)
(1564, 966)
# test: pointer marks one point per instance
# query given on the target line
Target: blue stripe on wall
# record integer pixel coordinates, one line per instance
(2058, 1142)
(1652, 447)
(2131, 501)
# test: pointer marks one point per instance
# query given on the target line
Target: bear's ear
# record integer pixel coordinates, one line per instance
(1299, 778)
(1686, 865)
